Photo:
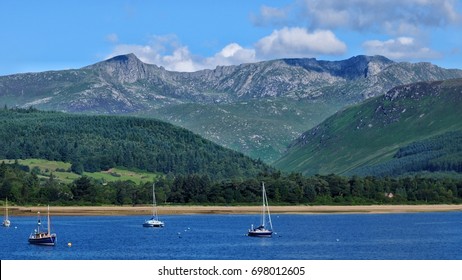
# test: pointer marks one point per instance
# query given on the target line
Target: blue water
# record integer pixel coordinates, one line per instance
(417, 236)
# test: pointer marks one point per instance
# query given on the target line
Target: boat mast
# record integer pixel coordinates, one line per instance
(39, 223)
(48, 222)
(263, 205)
(6, 209)
(267, 209)
(154, 206)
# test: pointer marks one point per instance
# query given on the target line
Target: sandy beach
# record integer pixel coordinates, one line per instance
(176, 210)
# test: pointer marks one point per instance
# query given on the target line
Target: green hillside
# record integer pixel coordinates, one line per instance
(261, 129)
(96, 143)
(371, 133)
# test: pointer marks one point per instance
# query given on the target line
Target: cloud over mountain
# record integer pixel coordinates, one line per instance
(399, 48)
(167, 51)
(404, 24)
(397, 29)
(298, 42)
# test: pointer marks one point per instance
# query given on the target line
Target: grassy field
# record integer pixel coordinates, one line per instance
(61, 171)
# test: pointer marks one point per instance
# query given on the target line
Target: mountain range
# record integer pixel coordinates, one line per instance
(256, 108)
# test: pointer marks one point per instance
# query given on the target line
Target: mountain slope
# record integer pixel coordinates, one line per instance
(125, 85)
(372, 132)
(261, 129)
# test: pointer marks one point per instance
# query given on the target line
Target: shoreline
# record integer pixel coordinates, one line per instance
(185, 210)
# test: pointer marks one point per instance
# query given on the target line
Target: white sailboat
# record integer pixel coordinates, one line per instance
(262, 230)
(154, 221)
(6, 221)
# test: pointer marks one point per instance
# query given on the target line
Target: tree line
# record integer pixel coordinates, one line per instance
(23, 187)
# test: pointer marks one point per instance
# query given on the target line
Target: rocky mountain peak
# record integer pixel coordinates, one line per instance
(354, 68)
(125, 58)
(125, 68)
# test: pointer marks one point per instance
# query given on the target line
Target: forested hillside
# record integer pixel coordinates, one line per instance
(94, 143)
(442, 153)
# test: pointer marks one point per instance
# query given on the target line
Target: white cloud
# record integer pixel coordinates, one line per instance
(230, 50)
(298, 42)
(393, 17)
(401, 48)
(386, 15)
(179, 60)
(167, 51)
(231, 54)
(398, 19)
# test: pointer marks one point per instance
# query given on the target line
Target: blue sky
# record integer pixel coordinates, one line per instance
(186, 35)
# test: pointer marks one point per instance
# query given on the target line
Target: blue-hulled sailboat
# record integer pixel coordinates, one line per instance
(39, 237)
(262, 230)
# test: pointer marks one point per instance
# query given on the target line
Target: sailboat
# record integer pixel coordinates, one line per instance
(154, 221)
(262, 230)
(6, 221)
(39, 237)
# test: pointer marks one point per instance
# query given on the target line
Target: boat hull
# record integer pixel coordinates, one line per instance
(45, 240)
(6, 223)
(260, 233)
(153, 223)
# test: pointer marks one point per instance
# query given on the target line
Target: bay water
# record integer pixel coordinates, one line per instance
(406, 236)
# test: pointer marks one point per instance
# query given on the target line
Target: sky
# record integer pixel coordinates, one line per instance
(187, 35)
